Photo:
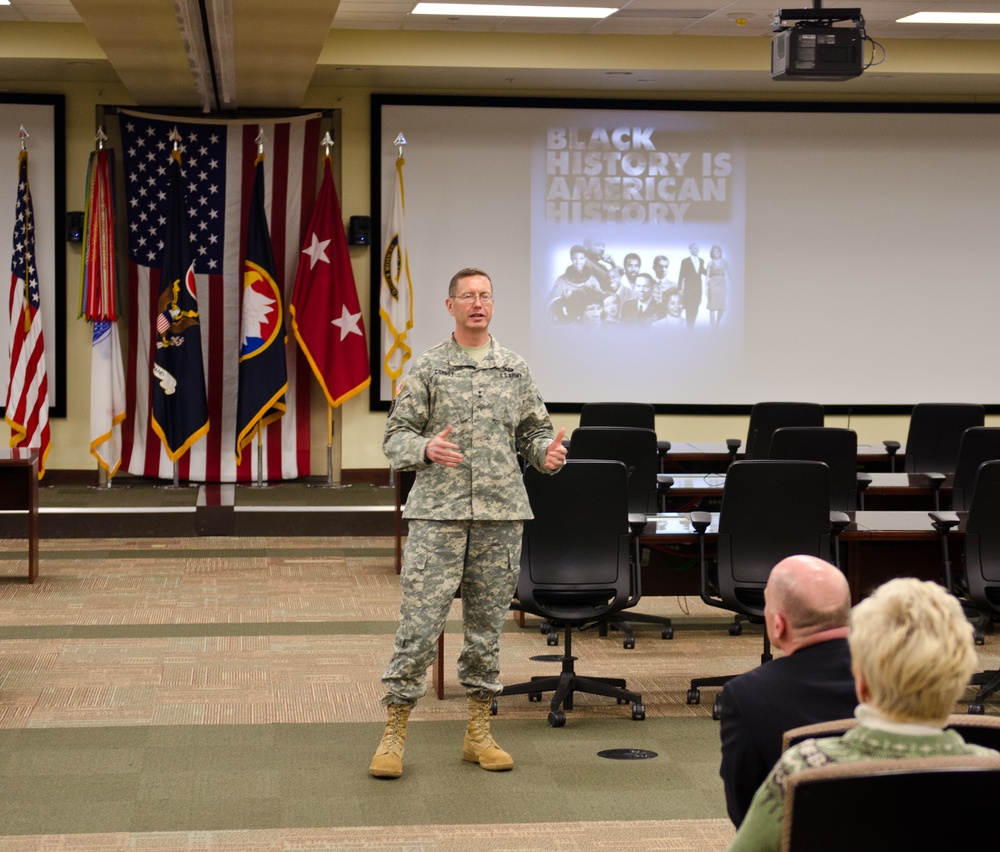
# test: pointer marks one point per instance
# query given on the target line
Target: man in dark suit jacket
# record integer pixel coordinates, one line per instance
(690, 284)
(807, 602)
(643, 309)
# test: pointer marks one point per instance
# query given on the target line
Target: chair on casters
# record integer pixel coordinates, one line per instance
(904, 803)
(636, 449)
(770, 509)
(933, 436)
(979, 587)
(765, 417)
(578, 565)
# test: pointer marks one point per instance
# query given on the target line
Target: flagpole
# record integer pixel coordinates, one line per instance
(260, 457)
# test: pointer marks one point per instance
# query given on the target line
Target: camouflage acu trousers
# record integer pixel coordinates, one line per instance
(481, 557)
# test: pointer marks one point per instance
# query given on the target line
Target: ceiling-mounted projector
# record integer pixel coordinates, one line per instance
(808, 44)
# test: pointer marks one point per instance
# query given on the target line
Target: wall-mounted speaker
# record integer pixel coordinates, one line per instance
(359, 230)
(74, 226)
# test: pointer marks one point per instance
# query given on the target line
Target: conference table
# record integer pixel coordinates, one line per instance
(875, 547)
(19, 493)
(714, 457)
(901, 491)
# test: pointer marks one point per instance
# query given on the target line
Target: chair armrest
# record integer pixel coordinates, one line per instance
(664, 481)
(864, 480)
(701, 521)
(944, 521)
(839, 521)
(663, 447)
(636, 523)
(892, 447)
(934, 480)
(733, 444)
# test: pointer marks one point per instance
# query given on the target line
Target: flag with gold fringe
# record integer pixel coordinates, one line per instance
(263, 377)
(396, 293)
(27, 400)
(326, 314)
(99, 305)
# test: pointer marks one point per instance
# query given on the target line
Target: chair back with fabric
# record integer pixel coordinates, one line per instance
(935, 432)
(576, 559)
(635, 448)
(639, 415)
(977, 445)
(765, 417)
(979, 730)
(837, 448)
(770, 509)
(908, 803)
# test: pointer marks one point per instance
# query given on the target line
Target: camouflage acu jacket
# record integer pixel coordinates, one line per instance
(496, 412)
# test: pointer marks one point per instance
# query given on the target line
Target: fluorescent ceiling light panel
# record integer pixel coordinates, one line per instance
(501, 11)
(951, 18)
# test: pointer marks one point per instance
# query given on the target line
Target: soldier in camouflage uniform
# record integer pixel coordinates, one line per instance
(467, 407)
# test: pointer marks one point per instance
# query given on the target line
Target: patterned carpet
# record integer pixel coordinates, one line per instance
(220, 693)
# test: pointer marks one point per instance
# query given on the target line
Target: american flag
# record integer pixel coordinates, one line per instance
(27, 402)
(218, 163)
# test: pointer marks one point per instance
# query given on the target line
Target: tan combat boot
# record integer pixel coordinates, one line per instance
(388, 760)
(479, 747)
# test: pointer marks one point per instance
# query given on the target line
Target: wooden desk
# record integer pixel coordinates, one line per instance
(887, 491)
(714, 457)
(906, 491)
(19, 493)
(875, 547)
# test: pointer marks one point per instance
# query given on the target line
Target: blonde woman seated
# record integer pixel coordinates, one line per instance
(911, 655)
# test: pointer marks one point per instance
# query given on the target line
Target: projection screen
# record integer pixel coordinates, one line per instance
(856, 248)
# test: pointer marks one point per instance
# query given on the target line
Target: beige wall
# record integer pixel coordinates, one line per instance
(358, 429)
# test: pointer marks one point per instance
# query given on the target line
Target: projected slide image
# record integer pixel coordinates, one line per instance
(637, 235)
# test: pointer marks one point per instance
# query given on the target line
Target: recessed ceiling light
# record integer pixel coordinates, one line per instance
(951, 18)
(501, 11)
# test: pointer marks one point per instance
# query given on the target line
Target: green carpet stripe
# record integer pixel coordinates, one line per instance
(278, 628)
(217, 777)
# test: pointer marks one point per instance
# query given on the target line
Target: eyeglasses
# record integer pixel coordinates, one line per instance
(470, 298)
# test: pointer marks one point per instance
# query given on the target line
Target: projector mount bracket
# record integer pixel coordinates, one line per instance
(786, 19)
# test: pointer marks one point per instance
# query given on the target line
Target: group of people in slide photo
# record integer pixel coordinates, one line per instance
(595, 289)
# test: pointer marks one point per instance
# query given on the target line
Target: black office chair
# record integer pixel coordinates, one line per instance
(770, 509)
(933, 436)
(578, 565)
(907, 803)
(978, 587)
(637, 415)
(978, 444)
(837, 448)
(636, 449)
(765, 417)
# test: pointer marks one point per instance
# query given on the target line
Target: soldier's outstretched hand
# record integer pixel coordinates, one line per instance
(555, 454)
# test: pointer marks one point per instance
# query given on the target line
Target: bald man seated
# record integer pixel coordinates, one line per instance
(806, 606)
